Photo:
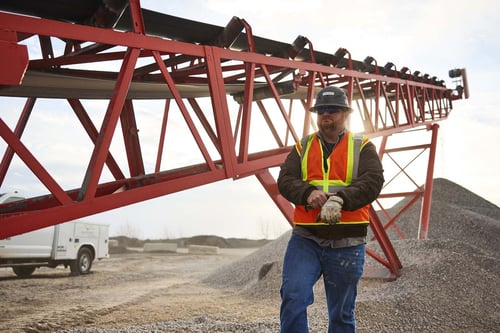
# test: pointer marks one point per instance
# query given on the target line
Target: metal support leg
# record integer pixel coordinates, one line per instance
(425, 212)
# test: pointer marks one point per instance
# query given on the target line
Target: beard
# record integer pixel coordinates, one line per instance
(330, 127)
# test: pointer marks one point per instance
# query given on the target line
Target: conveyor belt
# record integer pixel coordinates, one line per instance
(157, 24)
(51, 83)
(75, 11)
(176, 28)
(48, 85)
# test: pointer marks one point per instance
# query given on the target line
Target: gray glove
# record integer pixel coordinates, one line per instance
(331, 210)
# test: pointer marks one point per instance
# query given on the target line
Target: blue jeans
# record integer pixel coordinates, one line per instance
(304, 263)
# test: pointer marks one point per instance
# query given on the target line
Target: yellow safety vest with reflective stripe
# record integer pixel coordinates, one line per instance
(341, 169)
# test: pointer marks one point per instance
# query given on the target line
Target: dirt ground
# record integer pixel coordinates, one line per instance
(124, 290)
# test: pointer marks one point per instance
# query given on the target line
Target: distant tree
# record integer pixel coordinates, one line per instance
(129, 230)
(271, 229)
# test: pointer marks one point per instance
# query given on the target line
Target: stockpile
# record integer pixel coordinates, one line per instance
(449, 283)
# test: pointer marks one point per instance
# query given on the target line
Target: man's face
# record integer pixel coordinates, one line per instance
(331, 123)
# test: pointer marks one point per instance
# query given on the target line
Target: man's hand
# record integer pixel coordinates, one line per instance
(331, 210)
(317, 199)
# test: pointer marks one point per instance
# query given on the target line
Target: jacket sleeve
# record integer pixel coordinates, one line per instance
(290, 183)
(366, 188)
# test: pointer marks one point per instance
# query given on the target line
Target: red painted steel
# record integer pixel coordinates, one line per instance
(391, 260)
(425, 212)
(16, 59)
(219, 88)
(21, 125)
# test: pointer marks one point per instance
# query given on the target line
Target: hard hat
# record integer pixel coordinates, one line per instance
(331, 96)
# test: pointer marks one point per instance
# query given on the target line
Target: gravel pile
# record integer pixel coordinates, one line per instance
(449, 283)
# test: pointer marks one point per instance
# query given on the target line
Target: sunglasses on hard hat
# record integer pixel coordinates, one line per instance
(328, 109)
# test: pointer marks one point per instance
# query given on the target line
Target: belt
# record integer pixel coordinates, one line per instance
(337, 231)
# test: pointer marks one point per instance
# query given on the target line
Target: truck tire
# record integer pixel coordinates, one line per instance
(83, 262)
(23, 271)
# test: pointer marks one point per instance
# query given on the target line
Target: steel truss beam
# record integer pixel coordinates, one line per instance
(216, 87)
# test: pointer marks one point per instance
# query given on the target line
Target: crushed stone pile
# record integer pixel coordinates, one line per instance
(448, 283)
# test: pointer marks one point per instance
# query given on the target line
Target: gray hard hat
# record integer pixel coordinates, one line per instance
(331, 96)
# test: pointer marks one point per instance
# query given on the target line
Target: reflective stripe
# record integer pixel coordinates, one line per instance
(355, 143)
(357, 140)
(305, 146)
(331, 188)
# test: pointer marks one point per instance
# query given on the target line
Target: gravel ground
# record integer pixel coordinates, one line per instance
(449, 283)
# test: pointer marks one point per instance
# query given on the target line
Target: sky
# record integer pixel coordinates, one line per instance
(432, 36)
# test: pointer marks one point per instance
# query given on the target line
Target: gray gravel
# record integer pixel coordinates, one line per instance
(449, 283)
(198, 325)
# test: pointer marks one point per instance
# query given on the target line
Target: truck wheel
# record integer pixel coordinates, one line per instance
(23, 271)
(83, 262)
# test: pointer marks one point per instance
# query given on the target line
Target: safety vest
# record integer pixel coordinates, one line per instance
(341, 169)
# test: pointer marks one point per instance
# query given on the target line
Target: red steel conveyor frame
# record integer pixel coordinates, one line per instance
(239, 74)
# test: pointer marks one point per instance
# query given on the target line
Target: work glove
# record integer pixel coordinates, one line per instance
(331, 210)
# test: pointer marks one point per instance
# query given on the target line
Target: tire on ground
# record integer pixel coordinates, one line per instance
(23, 271)
(83, 262)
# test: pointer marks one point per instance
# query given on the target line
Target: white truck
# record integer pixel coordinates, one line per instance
(74, 244)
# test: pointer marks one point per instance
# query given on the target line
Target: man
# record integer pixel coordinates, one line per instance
(331, 177)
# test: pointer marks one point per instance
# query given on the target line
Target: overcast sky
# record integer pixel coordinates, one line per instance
(430, 36)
